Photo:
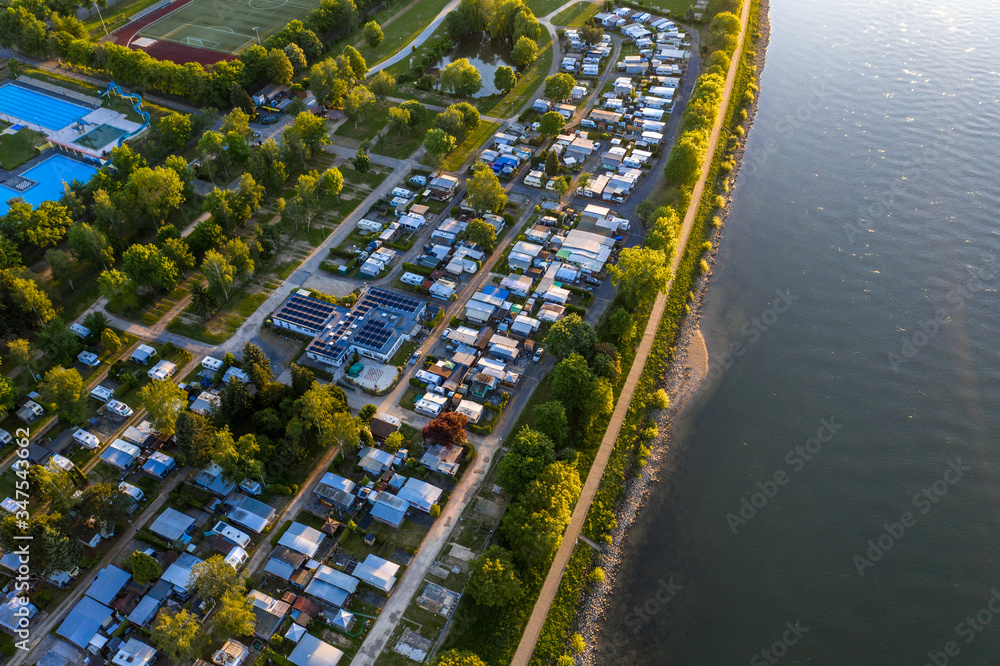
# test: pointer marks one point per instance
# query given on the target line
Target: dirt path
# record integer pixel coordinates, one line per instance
(551, 586)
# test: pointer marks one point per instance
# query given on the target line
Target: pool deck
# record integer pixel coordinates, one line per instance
(67, 136)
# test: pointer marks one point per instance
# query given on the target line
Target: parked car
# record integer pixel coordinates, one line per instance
(538, 355)
(251, 487)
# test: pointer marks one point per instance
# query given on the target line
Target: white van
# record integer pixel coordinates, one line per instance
(5, 437)
(80, 331)
(212, 364)
(102, 393)
(402, 192)
(533, 179)
(232, 534)
(162, 370)
(86, 439)
(120, 408)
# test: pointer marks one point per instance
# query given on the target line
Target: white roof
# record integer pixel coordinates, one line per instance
(420, 494)
(302, 539)
(311, 651)
(377, 572)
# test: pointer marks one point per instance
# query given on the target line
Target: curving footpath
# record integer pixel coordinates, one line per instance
(551, 586)
(407, 49)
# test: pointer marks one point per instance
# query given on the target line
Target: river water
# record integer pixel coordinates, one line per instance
(865, 402)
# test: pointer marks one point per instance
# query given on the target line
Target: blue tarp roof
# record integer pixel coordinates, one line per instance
(83, 622)
(159, 465)
(145, 611)
(118, 458)
(331, 594)
(108, 583)
(390, 509)
(278, 568)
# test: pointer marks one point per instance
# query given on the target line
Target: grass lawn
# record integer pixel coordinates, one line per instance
(410, 397)
(220, 326)
(577, 15)
(116, 16)
(403, 29)
(18, 148)
(402, 147)
(403, 353)
(527, 84)
(472, 143)
(544, 7)
(366, 129)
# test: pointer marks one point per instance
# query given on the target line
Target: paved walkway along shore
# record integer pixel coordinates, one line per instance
(551, 586)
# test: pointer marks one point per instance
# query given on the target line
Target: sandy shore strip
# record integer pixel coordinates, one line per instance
(684, 378)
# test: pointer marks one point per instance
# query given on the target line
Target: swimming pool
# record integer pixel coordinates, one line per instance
(36, 107)
(49, 177)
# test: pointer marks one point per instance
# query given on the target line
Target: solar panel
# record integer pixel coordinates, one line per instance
(307, 312)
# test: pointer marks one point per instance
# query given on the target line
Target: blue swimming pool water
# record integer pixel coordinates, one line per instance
(49, 177)
(35, 107)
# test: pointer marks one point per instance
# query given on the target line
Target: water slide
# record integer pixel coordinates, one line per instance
(135, 97)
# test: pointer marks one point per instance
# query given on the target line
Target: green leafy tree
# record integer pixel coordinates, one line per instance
(279, 68)
(394, 442)
(115, 286)
(90, 245)
(559, 86)
(525, 52)
(591, 34)
(493, 578)
(62, 265)
(239, 459)
(164, 402)
(534, 524)
(178, 251)
(399, 120)
(27, 296)
(233, 616)
(327, 82)
(194, 434)
(573, 383)
(530, 451)
(357, 61)
(155, 193)
(175, 130)
(297, 57)
(219, 272)
(179, 634)
(147, 265)
(8, 394)
(686, 157)
(550, 419)
(358, 103)
(481, 233)
(504, 79)
(63, 392)
(20, 353)
(62, 551)
(461, 78)
(416, 110)
(551, 124)
(640, 273)
(144, 568)
(214, 577)
(382, 85)
(110, 341)
(570, 335)
(373, 34)
(302, 379)
(257, 365)
(551, 164)
(60, 342)
(459, 658)
(562, 186)
(104, 503)
(485, 193)
(606, 362)
(439, 143)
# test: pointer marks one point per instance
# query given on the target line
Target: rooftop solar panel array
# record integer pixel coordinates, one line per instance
(306, 312)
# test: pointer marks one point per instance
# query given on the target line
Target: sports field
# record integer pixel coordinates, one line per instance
(226, 26)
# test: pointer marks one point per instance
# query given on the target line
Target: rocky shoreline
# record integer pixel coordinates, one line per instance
(683, 379)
